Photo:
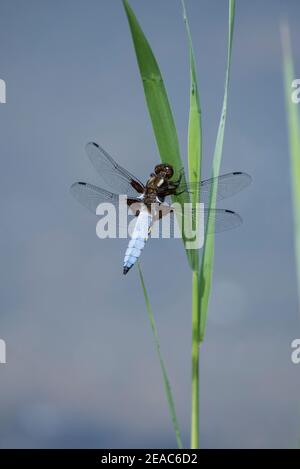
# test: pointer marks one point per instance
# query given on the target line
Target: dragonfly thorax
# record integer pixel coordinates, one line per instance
(154, 183)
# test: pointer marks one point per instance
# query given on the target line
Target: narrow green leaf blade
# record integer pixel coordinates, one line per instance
(194, 129)
(156, 95)
(206, 270)
(293, 122)
(157, 101)
(194, 159)
(167, 385)
(195, 124)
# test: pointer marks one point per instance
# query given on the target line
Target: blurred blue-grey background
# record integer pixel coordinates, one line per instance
(82, 369)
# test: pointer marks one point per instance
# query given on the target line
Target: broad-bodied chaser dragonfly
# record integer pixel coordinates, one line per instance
(159, 186)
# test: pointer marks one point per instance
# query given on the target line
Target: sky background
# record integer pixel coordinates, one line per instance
(82, 369)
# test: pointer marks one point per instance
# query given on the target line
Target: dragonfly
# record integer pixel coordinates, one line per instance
(158, 187)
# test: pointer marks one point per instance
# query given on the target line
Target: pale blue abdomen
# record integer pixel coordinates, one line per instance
(139, 237)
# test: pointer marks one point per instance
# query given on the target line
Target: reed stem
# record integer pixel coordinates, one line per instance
(195, 363)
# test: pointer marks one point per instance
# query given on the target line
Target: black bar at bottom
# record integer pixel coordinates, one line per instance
(134, 458)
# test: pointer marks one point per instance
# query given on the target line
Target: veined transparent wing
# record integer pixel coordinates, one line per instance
(228, 185)
(118, 179)
(224, 219)
(91, 196)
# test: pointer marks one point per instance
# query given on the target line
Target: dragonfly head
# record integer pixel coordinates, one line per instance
(164, 170)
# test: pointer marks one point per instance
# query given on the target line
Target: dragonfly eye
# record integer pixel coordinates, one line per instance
(164, 168)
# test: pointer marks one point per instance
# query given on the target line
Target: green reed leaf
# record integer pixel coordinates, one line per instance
(167, 385)
(157, 101)
(194, 129)
(293, 122)
(206, 270)
(194, 159)
(195, 124)
(156, 95)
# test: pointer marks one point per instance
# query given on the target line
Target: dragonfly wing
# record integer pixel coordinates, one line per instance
(117, 178)
(223, 219)
(91, 196)
(228, 185)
